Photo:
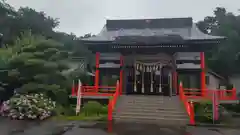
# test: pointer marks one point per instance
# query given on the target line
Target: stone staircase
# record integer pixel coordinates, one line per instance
(150, 109)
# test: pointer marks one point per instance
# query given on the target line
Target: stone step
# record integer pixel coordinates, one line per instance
(136, 109)
(150, 111)
(150, 107)
(146, 99)
(146, 120)
(150, 101)
(154, 115)
(150, 97)
(148, 117)
(147, 102)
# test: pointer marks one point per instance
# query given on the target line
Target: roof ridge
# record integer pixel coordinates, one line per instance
(149, 19)
(149, 23)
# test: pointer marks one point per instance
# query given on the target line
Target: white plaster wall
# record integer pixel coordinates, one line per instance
(214, 82)
(188, 66)
(187, 56)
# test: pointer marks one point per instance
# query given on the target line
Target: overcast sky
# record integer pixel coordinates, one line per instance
(89, 16)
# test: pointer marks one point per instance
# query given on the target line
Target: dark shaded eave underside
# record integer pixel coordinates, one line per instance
(194, 41)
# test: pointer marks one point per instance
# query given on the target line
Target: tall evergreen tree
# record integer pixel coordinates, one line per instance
(36, 65)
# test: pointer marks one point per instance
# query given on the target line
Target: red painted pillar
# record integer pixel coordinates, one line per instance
(121, 74)
(203, 82)
(192, 116)
(97, 71)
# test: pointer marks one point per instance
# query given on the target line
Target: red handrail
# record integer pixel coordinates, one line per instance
(113, 101)
(92, 91)
(194, 93)
(188, 106)
(111, 106)
(112, 91)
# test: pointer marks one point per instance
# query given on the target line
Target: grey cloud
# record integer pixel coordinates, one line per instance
(88, 16)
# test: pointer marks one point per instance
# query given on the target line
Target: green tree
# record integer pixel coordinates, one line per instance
(14, 22)
(36, 65)
(224, 58)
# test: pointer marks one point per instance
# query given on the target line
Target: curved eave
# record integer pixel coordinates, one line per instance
(217, 40)
(194, 41)
(199, 36)
(96, 42)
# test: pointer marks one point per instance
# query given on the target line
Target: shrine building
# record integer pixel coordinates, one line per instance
(151, 56)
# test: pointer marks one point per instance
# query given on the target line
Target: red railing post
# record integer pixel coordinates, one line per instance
(215, 102)
(203, 81)
(121, 74)
(192, 114)
(111, 106)
(188, 106)
(110, 110)
(110, 126)
(97, 71)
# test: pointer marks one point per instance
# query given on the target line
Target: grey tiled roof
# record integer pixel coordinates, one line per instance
(187, 32)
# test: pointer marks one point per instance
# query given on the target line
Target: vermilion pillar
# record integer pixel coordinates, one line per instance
(203, 82)
(97, 71)
(121, 74)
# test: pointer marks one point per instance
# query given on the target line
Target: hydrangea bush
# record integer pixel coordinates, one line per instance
(30, 106)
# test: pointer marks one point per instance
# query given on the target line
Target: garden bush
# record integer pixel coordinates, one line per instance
(66, 111)
(104, 109)
(29, 106)
(204, 112)
(94, 108)
(91, 111)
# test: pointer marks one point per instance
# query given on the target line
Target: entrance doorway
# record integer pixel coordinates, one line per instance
(148, 83)
(166, 81)
(148, 87)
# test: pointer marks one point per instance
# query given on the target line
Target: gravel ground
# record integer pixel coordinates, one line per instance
(212, 131)
(10, 127)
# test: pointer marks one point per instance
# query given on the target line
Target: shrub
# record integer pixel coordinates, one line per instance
(29, 106)
(104, 109)
(92, 108)
(204, 112)
(66, 111)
